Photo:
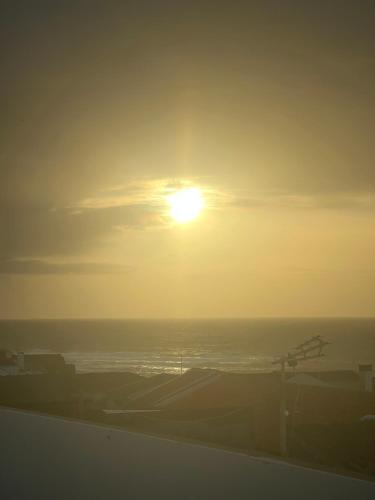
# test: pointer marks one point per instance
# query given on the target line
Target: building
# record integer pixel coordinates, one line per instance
(33, 364)
(8, 363)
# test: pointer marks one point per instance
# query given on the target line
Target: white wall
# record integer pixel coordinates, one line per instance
(51, 458)
(9, 370)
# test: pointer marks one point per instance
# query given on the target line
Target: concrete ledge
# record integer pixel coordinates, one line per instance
(45, 457)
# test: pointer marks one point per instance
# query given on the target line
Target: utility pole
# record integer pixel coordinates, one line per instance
(283, 413)
(311, 349)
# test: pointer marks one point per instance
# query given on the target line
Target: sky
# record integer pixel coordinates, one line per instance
(108, 107)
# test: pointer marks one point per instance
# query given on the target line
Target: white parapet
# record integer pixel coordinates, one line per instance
(52, 458)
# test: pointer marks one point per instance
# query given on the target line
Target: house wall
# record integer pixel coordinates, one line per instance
(9, 370)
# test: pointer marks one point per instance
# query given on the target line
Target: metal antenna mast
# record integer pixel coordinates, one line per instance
(311, 349)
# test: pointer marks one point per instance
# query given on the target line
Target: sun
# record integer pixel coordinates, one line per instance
(185, 204)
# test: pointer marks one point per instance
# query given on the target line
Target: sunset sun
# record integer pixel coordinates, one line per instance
(185, 204)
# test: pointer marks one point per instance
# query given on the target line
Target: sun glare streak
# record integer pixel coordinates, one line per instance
(185, 204)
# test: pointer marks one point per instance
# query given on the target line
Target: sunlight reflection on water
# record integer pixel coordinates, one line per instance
(150, 363)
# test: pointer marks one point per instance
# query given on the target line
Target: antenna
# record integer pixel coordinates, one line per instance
(311, 349)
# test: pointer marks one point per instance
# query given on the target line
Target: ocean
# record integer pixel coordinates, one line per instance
(148, 347)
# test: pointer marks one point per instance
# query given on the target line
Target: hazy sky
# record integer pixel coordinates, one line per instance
(267, 106)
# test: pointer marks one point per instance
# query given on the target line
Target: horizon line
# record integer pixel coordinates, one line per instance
(191, 318)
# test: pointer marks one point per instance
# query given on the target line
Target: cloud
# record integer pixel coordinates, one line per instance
(291, 109)
(333, 201)
(139, 192)
(39, 266)
(39, 230)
